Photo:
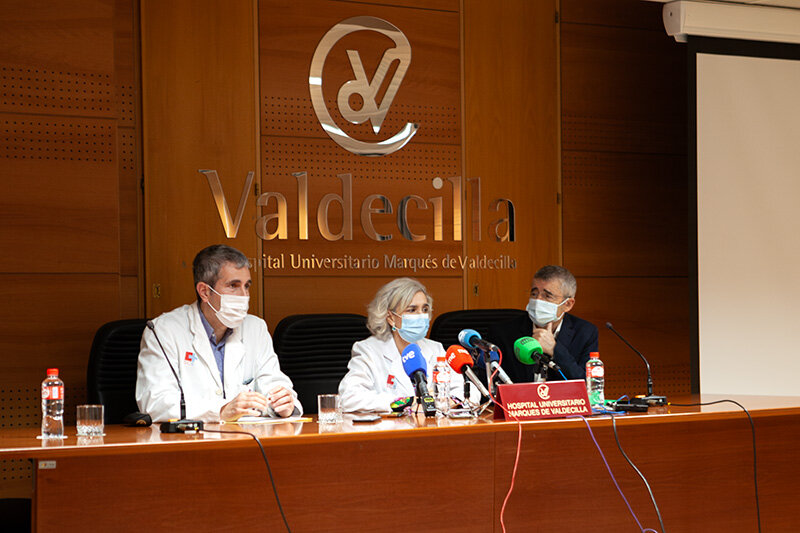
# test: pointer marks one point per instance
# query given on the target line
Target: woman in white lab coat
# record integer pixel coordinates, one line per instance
(399, 315)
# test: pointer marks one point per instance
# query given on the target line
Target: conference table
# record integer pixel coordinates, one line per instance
(415, 474)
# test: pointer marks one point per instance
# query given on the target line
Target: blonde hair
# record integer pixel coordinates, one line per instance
(394, 296)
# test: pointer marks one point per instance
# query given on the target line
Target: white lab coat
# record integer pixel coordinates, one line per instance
(375, 376)
(250, 363)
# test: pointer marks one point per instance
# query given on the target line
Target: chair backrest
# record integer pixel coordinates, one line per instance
(446, 327)
(111, 374)
(314, 350)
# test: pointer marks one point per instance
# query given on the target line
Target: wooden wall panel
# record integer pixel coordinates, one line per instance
(128, 114)
(437, 5)
(55, 110)
(130, 300)
(622, 89)
(68, 120)
(409, 171)
(625, 214)
(65, 224)
(511, 138)
(624, 186)
(130, 201)
(619, 13)
(290, 295)
(198, 89)
(60, 149)
(292, 141)
(429, 93)
(56, 92)
(60, 332)
(651, 313)
(73, 34)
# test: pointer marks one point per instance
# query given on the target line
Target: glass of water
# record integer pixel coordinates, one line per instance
(329, 409)
(90, 421)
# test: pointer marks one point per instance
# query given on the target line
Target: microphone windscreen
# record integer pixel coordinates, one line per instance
(458, 357)
(465, 337)
(527, 350)
(413, 360)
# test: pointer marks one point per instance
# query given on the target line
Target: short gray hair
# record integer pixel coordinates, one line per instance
(210, 260)
(550, 272)
(396, 294)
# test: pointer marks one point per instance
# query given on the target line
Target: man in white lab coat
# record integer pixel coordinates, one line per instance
(223, 357)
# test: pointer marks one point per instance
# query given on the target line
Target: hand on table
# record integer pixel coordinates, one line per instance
(281, 401)
(246, 403)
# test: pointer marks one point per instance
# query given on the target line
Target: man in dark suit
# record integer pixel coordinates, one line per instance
(567, 339)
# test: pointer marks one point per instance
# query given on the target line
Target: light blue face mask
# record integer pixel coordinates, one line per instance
(414, 327)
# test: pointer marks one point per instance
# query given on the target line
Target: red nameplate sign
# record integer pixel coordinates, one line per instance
(552, 399)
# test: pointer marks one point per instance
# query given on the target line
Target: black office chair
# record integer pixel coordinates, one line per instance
(111, 375)
(314, 350)
(446, 327)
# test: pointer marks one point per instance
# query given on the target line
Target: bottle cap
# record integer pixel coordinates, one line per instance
(52, 371)
(594, 355)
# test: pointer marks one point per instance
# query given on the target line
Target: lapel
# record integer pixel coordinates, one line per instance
(201, 344)
(234, 353)
(392, 362)
(567, 331)
(389, 351)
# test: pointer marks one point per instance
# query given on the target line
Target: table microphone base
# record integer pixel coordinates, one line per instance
(629, 407)
(652, 400)
(428, 405)
(182, 426)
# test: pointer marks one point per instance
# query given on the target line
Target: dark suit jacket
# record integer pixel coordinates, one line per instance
(575, 340)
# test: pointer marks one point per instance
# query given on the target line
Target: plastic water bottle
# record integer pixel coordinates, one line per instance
(595, 380)
(52, 406)
(441, 385)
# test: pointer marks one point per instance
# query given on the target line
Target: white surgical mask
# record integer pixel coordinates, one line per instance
(232, 309)
(543, 312)
(415, 327)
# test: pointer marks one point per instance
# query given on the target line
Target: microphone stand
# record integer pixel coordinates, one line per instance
(490, 384)
(650, 399)
(539, 372)
(183, 425)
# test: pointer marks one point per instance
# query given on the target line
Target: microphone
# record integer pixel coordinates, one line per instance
(460, 360)
(529, 352)
(183, 425)
(469, 338)
(417, 369)
(494, 365)
(494, 358)
(650, 399)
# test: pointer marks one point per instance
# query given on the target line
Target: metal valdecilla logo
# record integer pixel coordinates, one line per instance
(367, 89)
